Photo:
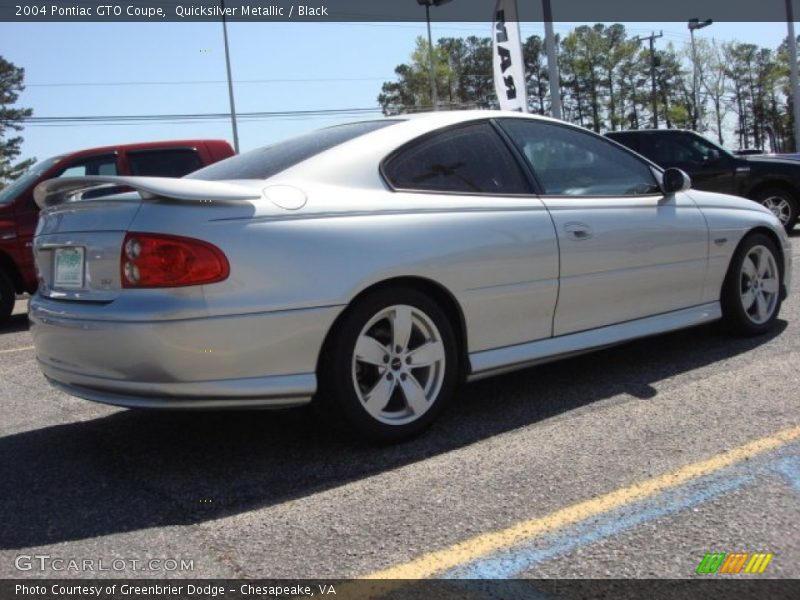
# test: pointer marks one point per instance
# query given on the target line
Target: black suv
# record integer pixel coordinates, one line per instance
(769, 180)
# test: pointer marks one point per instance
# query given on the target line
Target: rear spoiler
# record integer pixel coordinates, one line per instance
(71, 189)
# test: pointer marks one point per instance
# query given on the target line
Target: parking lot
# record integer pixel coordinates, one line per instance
(634, 461)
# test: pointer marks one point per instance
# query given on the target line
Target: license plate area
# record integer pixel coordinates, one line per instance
(68, 267)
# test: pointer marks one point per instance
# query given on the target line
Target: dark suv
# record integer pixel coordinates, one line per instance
(19, 213)
(769, 180)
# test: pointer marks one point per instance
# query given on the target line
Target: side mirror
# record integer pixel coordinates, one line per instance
(675, 181)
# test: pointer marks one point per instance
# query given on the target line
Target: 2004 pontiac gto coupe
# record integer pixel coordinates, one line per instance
(375, 265)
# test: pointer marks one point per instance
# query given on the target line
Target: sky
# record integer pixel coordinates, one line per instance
(87, 69)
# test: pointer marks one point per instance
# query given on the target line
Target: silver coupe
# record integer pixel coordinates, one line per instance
(375, 265)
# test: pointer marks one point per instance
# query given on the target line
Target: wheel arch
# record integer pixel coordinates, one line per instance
(763, 229)
(766, 184)
(734, 315)
(10, 268)
(436, 292)
(775, 240)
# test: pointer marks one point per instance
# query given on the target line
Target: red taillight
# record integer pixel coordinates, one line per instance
(156, 260)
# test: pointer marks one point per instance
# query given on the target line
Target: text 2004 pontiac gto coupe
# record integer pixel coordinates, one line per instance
(377, 264)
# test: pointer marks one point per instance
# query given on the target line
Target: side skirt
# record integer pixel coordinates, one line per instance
(511, 358)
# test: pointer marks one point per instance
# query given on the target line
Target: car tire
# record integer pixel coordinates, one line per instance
(751, 292)
(7, 296)
(781, 203)
(390, 365)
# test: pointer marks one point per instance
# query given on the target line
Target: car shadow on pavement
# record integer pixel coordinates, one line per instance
(134, 470)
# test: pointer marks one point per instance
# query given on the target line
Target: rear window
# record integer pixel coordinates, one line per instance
(271, 160)
(173, 162)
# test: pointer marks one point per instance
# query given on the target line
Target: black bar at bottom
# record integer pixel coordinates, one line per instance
(706, 587)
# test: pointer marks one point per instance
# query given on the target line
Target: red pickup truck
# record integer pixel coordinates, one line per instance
(19, 213)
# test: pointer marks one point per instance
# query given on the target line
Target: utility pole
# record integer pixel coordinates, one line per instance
(696, 24)
(432, 70)
(230, 80)
(431, 63)
(552, 61)
(652, 38)
(793, 77)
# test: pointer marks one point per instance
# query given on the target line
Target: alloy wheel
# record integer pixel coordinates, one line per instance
(779, 207)
(398, 365)
(758, 284)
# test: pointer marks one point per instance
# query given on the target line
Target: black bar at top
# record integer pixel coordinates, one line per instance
(388, 10)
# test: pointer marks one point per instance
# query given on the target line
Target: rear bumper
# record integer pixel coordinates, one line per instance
(264, 392)
(254, 360)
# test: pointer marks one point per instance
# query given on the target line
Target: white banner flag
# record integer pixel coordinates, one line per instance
(509, 68)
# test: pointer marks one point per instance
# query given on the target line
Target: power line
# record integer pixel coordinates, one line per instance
(193, 117)
(204, 82)
(178, 119)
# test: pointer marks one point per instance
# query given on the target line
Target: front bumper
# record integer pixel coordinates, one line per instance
(264, 359)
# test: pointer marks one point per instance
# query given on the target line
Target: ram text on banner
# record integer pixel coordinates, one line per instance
(509, 68)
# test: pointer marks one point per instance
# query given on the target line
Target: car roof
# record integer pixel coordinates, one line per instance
(139, 146)
(414, 124)
(626, 131)
(366, 151)
(446, 117)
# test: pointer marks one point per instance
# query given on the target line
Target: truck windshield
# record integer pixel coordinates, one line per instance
(16, 187)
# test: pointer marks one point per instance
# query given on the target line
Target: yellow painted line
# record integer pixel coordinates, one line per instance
(16, 350)
(464, 552)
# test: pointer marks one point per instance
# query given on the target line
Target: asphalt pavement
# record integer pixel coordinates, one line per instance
(634, 461)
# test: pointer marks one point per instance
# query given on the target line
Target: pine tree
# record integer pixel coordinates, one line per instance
(11, 84)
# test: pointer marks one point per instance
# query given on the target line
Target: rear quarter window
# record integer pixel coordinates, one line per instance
(469, 159)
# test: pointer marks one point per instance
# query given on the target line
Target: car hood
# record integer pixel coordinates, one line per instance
(714, 200)
(771, 160)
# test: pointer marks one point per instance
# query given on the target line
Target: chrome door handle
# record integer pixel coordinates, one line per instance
(578, 231)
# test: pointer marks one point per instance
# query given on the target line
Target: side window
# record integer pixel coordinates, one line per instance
(175, 162)
(672, 150)
(569, 162)
(682, 150)
(470, 159)
(96, 165)
(704, 152)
